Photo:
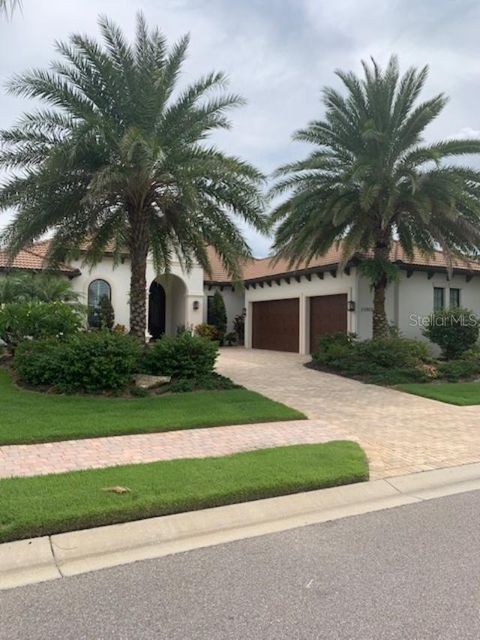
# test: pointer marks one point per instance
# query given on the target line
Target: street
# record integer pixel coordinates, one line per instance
(407, 573)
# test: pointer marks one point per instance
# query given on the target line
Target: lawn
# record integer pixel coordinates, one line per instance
(28, 416)
(44, 505)
(460, 393)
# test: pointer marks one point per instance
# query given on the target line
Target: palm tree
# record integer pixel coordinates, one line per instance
(372, 179)
(119, 159)
(8, 6)
(24, 286)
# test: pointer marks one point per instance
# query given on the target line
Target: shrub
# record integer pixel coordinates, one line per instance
(37, 320)
(332, 347)
(455, 370)
(388, 361)
(239, 327)
(219, 315)
(390, 377)
(40, 362)
(184, 356)
(453, 330)
(25, 286)
(208, 331)
(90, 362)
(212, 382)
(390, 353)
(139, 392)
(106, 314)
(231, 338)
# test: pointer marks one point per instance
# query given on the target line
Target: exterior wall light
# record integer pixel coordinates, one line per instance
(196, 305)
(351, 305)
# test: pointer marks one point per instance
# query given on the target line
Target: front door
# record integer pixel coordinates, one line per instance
(156, 310)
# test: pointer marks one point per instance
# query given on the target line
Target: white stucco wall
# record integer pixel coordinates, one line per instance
(410, 299)
(406, 300)
(234, 302)
(416, 298)
(183, 290)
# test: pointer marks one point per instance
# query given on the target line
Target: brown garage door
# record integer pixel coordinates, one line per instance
(328, 314)
(275, 325)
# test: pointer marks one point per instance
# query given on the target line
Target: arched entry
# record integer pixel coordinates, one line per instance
(156, 310)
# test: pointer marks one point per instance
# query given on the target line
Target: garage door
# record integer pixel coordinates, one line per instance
(328, 314)
(275, 325)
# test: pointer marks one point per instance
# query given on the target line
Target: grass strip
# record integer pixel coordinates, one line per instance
(458, 393)
(44, 505)
(29, 416)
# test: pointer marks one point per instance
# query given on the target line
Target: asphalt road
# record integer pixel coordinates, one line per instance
(411, 573)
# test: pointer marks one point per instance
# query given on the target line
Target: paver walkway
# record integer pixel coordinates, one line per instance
(401, 433)
(72, 455)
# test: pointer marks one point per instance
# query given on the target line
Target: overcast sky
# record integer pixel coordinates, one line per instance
(278, 54)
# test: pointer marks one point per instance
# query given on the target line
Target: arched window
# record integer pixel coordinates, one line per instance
(97, 290)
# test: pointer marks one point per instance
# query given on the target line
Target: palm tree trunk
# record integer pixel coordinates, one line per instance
(381, 328)
(138, 280)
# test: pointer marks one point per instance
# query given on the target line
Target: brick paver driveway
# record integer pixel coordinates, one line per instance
(401, 433)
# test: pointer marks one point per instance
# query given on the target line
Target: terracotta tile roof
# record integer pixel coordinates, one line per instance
(264, 267)
(33, 259)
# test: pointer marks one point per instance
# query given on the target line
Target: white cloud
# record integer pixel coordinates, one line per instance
(278, 54)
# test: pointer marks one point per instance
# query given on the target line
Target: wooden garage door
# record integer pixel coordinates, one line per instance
(328, 314)
(275, 325)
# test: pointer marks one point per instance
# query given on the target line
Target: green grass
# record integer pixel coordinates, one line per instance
(44, 505)
(459, 393)
(28, 416)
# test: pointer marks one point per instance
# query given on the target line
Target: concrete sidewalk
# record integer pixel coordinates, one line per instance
(48, 558)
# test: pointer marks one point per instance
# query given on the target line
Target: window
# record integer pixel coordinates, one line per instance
(209, 309)
(454, 297)
(97, 290)
(438, 298)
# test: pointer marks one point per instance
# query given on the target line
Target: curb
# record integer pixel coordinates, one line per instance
(67, 554)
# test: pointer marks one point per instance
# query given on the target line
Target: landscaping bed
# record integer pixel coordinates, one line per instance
(28, 416)
(45, 505)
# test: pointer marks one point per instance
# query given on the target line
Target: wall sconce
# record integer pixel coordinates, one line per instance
(196, 305)
(351, 305)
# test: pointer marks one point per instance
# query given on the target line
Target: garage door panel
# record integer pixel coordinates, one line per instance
(328, 314)
(275, 325)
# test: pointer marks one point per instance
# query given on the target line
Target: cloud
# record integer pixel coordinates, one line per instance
(278, 54)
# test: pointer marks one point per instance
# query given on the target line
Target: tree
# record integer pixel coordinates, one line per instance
(8, 6)
(25, 286)
(106, 313)
(219, 315)
(119, 159)
(371, 179)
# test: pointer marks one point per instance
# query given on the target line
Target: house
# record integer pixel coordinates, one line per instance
(286, 307)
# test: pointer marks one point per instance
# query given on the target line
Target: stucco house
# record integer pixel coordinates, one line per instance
(286, 308)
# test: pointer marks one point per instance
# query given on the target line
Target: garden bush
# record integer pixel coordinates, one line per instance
(88, 361)
(183, 356)
(392, 360)
(456, 370)
(239, 327)
(21, 320)
(212, 382)
(389, 377)
(393, 353)
(219, 315)
(40, 362)
(205, 330)
(332, 347)
(453, 330)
